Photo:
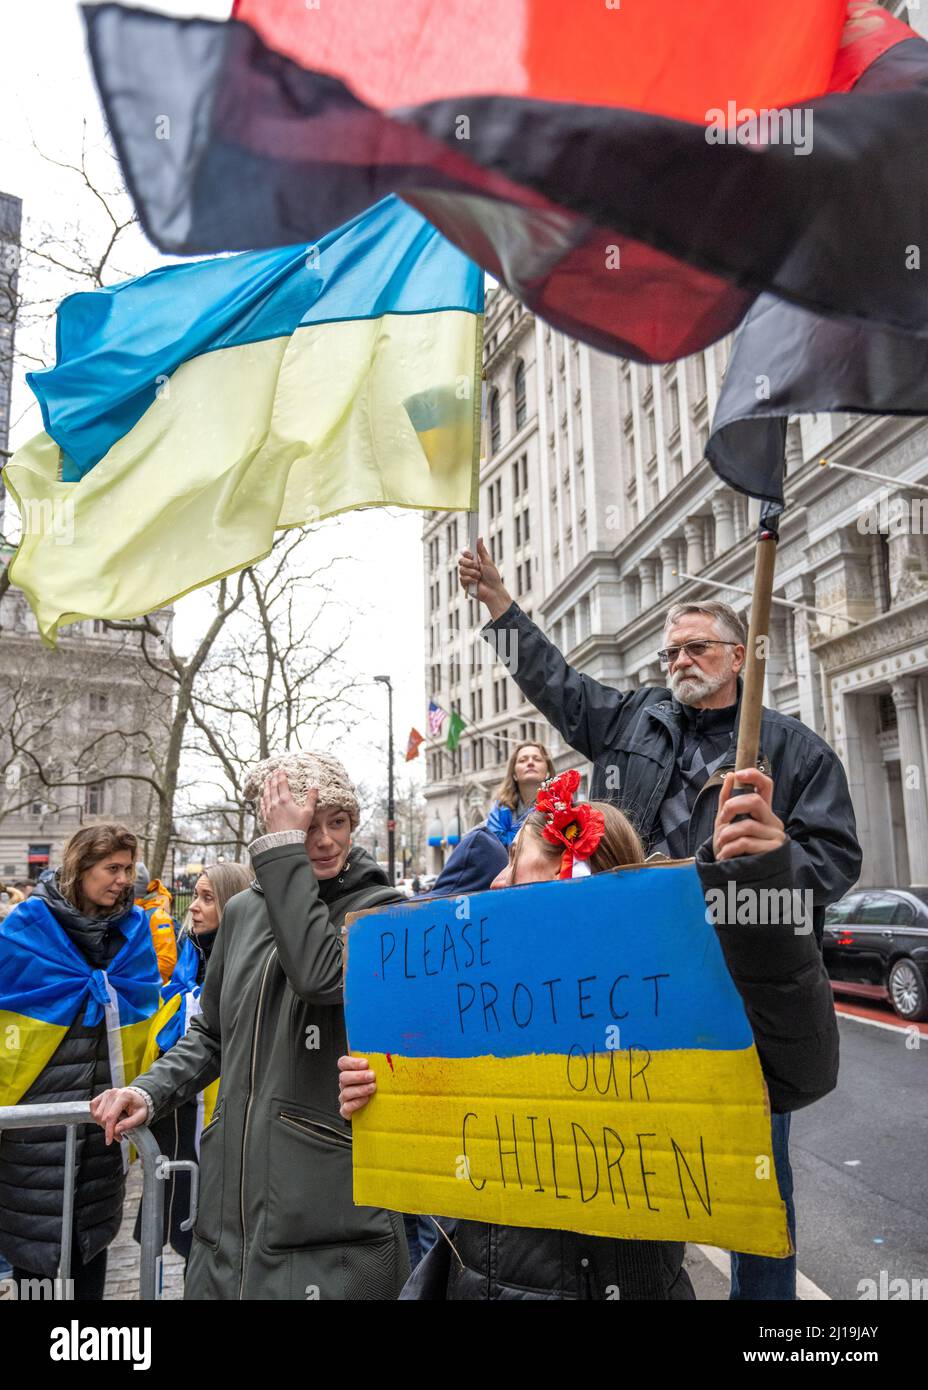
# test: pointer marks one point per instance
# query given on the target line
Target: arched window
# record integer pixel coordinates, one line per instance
(495, 431)
(521, 406)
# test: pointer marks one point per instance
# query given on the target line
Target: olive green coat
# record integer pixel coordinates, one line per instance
(276, 1218)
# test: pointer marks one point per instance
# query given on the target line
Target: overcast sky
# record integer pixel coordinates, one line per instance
(46, 95)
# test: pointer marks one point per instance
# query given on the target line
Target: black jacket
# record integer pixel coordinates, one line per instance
(32, 1160)
(787, 997)
(632, 738)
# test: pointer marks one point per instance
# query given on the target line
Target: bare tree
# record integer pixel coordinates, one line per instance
(276, 681)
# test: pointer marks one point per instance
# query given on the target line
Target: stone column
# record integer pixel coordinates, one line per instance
(629, 599)
(669, 562)
(647, 572)
(804, 661)
(901, 518)
(843, 579)
(695, 553)
(723, 510)
(912, 767)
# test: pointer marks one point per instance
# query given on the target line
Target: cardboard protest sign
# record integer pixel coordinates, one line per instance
(571, 1055)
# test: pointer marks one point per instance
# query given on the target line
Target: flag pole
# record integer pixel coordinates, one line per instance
(755, 664)
(473, 518)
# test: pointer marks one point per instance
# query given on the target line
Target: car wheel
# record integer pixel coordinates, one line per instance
(907, 991)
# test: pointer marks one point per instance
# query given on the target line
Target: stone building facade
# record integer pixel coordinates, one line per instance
(90, 709)
(601, 510)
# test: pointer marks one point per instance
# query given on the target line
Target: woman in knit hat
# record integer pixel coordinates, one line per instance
(276, 1218)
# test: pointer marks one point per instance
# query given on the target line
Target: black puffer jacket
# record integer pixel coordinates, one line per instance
(32, 1160)
(787, 997)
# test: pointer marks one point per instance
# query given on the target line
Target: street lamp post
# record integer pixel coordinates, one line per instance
(391, 807)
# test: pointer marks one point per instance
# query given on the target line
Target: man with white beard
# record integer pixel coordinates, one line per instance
(661, 754)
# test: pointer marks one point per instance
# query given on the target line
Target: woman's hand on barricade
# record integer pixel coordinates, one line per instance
(758, 835)
(279, 811)
(118, 1110)
(356, 1084)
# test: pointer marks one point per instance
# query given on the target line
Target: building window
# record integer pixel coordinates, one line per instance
(521, 405)
(515, 478)
(525, 531)
(93, 799)
(673, 397)
(518, 532)
(495, 429)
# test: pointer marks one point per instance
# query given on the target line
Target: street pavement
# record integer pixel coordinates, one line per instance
(859, 1159)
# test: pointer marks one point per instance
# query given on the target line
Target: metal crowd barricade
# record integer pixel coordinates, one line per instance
(156, 1167)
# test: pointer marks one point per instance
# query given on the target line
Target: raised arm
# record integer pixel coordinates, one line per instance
(584, 712)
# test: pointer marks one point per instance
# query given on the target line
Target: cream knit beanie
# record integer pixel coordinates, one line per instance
(305, 770)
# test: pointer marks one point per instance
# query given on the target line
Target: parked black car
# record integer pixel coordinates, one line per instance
(876, 946)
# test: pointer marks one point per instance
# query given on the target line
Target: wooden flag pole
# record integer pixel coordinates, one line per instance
(473, 518)
(755, 665)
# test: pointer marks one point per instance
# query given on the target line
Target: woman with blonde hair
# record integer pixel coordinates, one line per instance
(276, 1217)
(528, 766)
(76, 958)
(179, 1133)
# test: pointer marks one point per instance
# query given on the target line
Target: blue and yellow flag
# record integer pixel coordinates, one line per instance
(180, 1002)
(571, 1055)
(195, 411)
(46, 985)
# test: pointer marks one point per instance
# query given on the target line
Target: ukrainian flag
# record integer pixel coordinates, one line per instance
(180, 1002)
(46, 985)
(197, 410)
(570, 1055)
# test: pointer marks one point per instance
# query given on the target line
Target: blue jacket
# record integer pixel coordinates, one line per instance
(471, 867)
(503, 823)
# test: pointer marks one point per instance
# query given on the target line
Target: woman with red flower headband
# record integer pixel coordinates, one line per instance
(559, 839)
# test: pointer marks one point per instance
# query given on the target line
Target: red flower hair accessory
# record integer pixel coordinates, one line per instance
(578, 828)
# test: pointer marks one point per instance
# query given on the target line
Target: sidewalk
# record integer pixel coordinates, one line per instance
(122, 1269)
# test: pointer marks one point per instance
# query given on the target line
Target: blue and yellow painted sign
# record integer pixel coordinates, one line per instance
(571, 1055)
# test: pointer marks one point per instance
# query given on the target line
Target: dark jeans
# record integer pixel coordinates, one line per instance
(89, 1279)
(421, 1235)
(761, 1277)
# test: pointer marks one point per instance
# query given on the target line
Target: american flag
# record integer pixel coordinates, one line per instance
(437, 717)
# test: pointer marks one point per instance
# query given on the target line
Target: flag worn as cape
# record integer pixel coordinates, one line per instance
(180, 1002)
(46, 985)
(636, 174)
(788, 360)
(193, 412)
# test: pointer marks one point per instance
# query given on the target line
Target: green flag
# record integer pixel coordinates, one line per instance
(455, 727)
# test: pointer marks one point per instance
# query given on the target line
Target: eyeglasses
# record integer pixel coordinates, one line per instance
(668, 655)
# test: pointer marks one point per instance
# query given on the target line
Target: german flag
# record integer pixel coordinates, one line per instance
(636, 173)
